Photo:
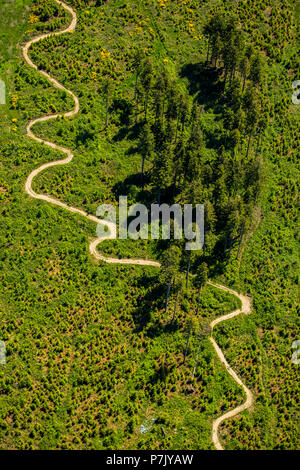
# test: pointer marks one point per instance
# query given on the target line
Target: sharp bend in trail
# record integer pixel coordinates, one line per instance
(246, 307)
(34, 173)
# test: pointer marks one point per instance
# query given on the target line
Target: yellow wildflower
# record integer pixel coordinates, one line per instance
(33, 18)
(14, 101)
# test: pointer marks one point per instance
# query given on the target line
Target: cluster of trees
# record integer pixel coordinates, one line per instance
(173, 139)
(47, 16)
(175, 157)
(46, 10)
(242, 67)
(227, 46)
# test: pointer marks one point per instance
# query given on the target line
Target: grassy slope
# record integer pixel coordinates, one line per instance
(268, 271)
(73, 331)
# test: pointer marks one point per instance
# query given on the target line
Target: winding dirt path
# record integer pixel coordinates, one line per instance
(246, 307)
(69, 157)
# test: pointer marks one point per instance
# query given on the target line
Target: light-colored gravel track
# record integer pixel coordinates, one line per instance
(68, 159)
(246, 306)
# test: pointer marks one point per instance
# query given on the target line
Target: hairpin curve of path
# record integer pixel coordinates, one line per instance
(246, 305)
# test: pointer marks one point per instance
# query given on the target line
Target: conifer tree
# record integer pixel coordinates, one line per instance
(108, 88)
(169, 268)
(146, 144)
(146, 78)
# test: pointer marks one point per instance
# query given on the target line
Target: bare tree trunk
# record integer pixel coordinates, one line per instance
(229, 253)
(225, 245)
(146, 105)
(207, 54)
(143, 164)
(142, 172)
(249, 140)
(187, 345)
(225, 77)
(175, 306)
(135, 87)
(167, 296)
(258, 144)
(198, 301)
(188, 272)
(183, 125)
(244, 82)
(241, 238)
(196, 361)
(106, 112)
(177, 125)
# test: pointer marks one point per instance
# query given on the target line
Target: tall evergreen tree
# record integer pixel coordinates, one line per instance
(108, 88)
(201, 280)
(137, 62)
(169, 268)
(146, 144)
(146, 78)
(160, 173)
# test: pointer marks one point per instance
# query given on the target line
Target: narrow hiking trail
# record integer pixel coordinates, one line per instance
(69, 158)
(246, 306)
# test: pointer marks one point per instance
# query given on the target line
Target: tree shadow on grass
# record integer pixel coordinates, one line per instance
(130, 132)
(160, 374)
(132, 187)
(159, 328)
(138, 190)
(123, 108)
(142, 314)
(204, 84)
(150, 302)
